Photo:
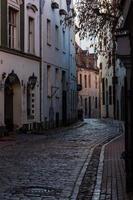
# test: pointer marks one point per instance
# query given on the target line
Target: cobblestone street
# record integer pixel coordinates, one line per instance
(52, 166)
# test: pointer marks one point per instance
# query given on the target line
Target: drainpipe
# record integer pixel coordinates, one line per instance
(69, 76)
(41, 2)
(40, 20)
(114, 77)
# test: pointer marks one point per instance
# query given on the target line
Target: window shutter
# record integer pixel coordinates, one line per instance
(4, 23)
(22, 26)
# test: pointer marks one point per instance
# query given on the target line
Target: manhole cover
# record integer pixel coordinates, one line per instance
(35, 191)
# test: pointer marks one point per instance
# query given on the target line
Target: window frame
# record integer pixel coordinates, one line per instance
(13, 28)
(31, 47)
(49, 32)
(57, 37)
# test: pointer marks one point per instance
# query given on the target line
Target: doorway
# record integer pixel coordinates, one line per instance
(12, 106)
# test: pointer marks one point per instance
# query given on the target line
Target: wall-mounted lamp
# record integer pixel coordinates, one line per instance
(32, 81)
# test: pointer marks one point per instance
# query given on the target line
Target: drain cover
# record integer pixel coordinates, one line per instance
(35, 191)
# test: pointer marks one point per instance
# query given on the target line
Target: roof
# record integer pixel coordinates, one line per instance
(86, 60)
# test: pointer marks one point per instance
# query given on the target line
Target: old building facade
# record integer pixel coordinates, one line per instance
(59, 86)
(19, 63)
(88, 80)
(111, 84)
(37, 64)
(125, 54)
(121, 79)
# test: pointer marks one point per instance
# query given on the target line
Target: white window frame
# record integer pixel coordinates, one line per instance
(31, 35)
(13, 28)
(49, 32)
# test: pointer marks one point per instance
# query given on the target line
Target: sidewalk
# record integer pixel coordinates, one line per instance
(113, 180)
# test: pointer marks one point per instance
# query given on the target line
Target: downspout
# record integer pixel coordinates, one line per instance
(114, 77)
(69, 76)
(41, 61)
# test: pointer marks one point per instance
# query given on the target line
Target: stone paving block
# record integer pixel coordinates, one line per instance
(52, 160)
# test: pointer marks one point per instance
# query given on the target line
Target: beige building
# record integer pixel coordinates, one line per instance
(88, 80)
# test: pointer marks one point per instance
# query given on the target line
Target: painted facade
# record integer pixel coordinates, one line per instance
(19, 64)
(59, 86)
(111, 84)
(38, 85)
(125, 54)
(88, 79)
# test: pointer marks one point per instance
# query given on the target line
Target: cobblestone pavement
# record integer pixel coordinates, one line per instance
(50, 166)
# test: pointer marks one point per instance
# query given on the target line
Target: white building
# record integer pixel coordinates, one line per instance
(106, 87)
(37, 64)
(110, 87)
(19, 64)
(59, 87)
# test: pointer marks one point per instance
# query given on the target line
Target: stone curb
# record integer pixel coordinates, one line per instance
(81, 175)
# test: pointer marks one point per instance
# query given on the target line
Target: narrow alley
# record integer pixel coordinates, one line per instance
(65, 164)
(66, 100)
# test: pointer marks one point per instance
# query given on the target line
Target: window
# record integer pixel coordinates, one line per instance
(64, 40)
(81, 101)
(110, 95)
(57, 77)
(12, 40)
(30, 103)
(57, 37)
(31, 35)
(63, 80)
(48, 32)
(80, 79)
(89, 80)
(85, 81)
(49, 80)
(103, 90)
